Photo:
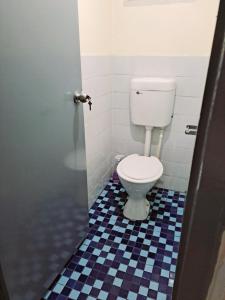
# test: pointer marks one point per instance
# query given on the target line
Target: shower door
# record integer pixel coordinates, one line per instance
(43, 188)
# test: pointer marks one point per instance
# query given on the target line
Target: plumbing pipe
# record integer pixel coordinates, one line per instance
(159, 147)
(148, 138)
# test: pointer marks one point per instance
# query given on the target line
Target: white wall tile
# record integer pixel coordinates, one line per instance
(179, 122)
(180, 170)
(177, 155)
(174, 183)
(121, 83)
(131, 132)
(121, 100)
(190, 86)
(177, 150)
(187, 106)
(95, 66)
(176, 139)
(121, 117)
(123, 146)
(122, 65)
(108, 128)
(160, 66)
(97, 86)
(101, 104)
(96, 81)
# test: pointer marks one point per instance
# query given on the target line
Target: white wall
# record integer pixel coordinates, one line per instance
(169, 29)
(95, 18)
(95, 21)
(177, 149)
(110, 27)
(170, 40)
(119, 42)
(96, 80)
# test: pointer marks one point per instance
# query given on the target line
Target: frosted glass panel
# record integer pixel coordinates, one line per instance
(43, 189)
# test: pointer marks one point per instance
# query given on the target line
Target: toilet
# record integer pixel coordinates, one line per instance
(151, 105)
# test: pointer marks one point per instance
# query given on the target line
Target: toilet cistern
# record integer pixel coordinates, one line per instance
(151, 105)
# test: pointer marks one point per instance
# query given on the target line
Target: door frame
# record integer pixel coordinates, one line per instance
(204, 219)
(3, 291)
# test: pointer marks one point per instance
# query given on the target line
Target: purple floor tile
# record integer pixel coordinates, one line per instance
(123, 258)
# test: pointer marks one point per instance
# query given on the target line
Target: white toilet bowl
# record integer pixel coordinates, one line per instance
(138, 174)
(151, 105)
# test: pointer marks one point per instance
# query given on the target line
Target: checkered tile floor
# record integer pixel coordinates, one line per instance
(122, 259)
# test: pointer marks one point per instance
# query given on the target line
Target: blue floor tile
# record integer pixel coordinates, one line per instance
(123, 259)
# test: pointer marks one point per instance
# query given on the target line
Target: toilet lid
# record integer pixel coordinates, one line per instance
(141, 167)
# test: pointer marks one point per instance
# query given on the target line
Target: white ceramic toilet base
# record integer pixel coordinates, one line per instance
(136, 209)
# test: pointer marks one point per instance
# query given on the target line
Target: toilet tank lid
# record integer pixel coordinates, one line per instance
(153, 84)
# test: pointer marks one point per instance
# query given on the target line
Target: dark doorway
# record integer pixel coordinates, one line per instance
(204, 220)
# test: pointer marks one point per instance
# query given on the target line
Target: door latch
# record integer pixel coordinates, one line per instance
(82, 98)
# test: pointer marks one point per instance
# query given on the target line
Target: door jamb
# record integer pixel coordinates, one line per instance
(204, 219)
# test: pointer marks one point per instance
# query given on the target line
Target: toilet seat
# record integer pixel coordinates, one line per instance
(140, 169)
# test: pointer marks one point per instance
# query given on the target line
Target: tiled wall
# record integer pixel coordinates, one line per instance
(96, 81)
(177, 150)
(108, 128)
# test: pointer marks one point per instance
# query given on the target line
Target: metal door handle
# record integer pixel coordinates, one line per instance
(83, 98)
